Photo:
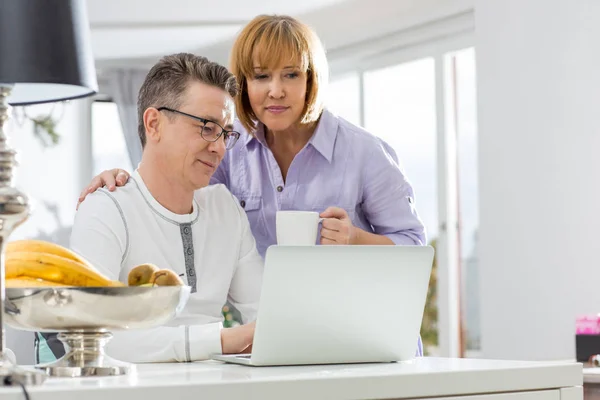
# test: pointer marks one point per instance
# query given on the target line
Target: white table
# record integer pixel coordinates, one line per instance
(459, 379)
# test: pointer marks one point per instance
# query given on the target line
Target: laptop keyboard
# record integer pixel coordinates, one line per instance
(244, 356)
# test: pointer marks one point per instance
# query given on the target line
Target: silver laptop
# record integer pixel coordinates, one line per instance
(339, 304)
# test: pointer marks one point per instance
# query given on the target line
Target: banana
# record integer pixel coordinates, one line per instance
(53, 268)
(26, 282)
(41, 246)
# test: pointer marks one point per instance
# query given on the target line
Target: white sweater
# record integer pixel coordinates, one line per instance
(212, 248)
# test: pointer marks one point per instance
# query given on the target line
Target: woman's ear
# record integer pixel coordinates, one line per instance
(152, 123)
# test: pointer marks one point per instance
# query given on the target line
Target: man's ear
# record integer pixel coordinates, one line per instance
(152, 123)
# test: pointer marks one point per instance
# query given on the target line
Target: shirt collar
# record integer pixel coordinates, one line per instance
(323, 140)
(259, 135)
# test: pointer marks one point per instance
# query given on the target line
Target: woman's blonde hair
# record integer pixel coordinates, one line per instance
(273, 41)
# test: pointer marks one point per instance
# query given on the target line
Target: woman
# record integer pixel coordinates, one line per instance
(293, 154)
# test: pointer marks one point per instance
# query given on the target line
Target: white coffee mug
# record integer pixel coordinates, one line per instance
(297, 228)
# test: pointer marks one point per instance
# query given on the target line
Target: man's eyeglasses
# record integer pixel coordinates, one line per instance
(211, 131)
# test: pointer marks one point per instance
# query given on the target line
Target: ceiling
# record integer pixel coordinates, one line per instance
(129, 29)
(136, 33)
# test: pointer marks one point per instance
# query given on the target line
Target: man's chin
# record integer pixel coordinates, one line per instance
(201, 182)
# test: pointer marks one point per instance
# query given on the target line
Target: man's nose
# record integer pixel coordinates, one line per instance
(217, 146)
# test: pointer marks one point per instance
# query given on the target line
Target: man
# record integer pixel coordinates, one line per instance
(185, 117)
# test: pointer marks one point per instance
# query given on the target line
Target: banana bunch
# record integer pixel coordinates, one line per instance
(37, 263)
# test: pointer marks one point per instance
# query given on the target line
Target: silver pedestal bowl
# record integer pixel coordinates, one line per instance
(84, 318)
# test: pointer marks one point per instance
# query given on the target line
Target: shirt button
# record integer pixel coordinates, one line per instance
(186, 230)
(243, 203)
(280, 189)
(190, 251)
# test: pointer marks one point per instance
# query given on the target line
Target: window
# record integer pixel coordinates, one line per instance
(343, 98)
(108, 144)
(400, 108)
(52, 200)
(421, 99)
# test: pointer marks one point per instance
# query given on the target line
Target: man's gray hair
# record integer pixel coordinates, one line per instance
(168, 80)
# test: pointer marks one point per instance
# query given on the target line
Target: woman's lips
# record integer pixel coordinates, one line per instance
(277, 109)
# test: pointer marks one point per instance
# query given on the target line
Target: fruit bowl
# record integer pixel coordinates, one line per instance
(62, 309)
(85, 316)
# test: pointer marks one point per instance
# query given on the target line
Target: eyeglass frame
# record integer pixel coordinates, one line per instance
(205, 121)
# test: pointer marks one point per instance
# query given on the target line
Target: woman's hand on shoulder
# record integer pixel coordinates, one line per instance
(111, 178)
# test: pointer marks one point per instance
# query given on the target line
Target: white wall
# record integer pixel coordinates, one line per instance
(52, 178)
(538, 73)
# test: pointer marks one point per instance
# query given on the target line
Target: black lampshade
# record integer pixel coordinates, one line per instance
(45, 50)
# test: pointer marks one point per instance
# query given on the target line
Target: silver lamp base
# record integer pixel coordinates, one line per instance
(14, 210)
(85, 356)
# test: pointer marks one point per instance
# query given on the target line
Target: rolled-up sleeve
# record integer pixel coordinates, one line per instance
(388, 198)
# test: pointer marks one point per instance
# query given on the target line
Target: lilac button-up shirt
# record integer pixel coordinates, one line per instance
(342, 165)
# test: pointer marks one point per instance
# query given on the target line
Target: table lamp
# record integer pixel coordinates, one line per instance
(45, 56)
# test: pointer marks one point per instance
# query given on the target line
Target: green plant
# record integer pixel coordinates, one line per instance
(429, 326)
(229, 320)
(44, 128)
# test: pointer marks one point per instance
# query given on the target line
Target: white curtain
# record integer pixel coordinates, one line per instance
(123, 85)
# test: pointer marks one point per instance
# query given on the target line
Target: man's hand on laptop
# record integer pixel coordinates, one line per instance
(236, 340)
